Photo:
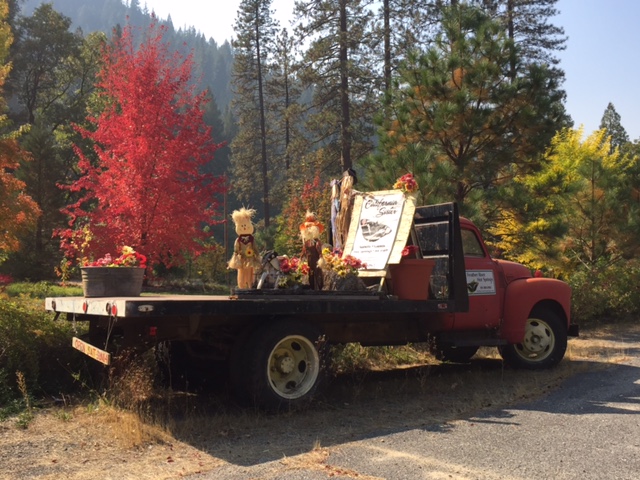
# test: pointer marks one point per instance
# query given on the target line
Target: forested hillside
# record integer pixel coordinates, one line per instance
(212, 62)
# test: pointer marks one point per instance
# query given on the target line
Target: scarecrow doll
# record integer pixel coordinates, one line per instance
(244, 258)
(310, 232)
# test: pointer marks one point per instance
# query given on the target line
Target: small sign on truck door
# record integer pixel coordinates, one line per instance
(481, 282)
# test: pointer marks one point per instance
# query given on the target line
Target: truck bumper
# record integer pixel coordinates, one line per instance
(574, 330)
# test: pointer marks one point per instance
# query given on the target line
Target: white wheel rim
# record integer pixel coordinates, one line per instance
(293, 367)
(538, 342)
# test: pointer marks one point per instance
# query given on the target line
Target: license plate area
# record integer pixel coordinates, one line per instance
(91, 351)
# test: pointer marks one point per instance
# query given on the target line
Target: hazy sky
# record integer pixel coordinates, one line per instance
(601, 61)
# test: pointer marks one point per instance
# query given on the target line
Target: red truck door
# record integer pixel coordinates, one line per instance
(484, 286)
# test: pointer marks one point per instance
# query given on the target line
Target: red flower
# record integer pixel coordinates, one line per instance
(285, 266)
(128, 258)
(406, 183)
(409, 250)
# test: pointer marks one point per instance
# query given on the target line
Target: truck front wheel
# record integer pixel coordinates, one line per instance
(282, 366)
(544, 344)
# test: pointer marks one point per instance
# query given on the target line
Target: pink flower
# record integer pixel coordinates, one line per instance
(128, 258)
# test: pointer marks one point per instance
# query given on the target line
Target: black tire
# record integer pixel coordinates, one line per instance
(280, 366)
(450, 353)
(544, 345)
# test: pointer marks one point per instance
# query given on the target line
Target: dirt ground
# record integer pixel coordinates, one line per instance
(192, 434)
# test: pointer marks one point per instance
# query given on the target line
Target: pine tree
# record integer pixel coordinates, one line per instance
(611, 122)
(284, 91)
(41, 66)
(255, 30)
(405, 26)
(471, 129)
(337, 65)
(529, 24)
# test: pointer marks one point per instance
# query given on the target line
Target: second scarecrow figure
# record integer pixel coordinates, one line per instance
(310, 232)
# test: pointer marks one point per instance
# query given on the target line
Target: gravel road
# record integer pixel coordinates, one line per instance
(589, 428)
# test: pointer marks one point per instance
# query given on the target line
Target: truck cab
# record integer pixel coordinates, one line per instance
(527, 317)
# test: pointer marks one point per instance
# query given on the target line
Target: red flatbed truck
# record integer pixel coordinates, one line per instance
(273, 342)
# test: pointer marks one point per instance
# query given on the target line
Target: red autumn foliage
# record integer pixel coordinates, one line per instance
(144, 183)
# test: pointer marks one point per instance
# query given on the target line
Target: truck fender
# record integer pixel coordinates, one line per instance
(523, 295)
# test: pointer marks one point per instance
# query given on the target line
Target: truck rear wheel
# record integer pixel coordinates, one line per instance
(280, 366)
(544, 344)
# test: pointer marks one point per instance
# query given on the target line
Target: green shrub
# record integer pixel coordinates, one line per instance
(33, 343)
(606, 293)
(41, 290)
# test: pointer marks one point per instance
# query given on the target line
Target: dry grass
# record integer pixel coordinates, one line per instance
(140, 432)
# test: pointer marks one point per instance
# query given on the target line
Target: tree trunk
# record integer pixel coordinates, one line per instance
(263, 134)
(345, 129)
(387, 46)
(511, 33)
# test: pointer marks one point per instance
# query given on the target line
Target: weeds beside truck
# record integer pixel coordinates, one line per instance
(273, 344)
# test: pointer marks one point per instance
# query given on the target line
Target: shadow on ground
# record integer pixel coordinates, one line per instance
(370, 404)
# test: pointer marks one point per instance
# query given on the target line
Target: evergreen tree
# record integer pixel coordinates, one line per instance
(405, 26)
(529, 24)
(105, 15)
(41, 67)
(255, 30)
(338, 66)
(52, 79)
(472, 130)
(611, 123)
(284, 93)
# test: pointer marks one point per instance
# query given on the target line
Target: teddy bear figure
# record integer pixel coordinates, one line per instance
(244, 258)
(310, 232)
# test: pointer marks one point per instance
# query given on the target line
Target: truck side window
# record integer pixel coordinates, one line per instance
(470, 244)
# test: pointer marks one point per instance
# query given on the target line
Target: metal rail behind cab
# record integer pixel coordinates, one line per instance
(436, 229)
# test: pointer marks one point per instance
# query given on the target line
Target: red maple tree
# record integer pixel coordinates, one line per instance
(144, 183)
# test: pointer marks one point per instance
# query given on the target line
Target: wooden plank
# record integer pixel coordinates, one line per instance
(91, 351)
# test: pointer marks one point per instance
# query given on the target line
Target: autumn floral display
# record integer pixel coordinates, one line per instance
(407, 183)
(128, 258)
(343, 265)
(293, 270)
